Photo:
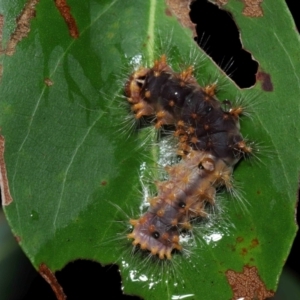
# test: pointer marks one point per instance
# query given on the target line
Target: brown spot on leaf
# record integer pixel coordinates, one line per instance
(18, 239)
(104, 182)
(64, 10)
(247, 285)
(253, 8)
(48, 275)
(23, 26)
(168, 12)
(254, 243)
(181, 10)
(239, 239)
(48, 81)
(5, 193)
(244, 251)
(266, 83)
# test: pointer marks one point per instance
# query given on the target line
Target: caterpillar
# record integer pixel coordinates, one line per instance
(209, 143)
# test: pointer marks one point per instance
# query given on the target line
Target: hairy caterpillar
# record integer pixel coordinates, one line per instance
(209, 143)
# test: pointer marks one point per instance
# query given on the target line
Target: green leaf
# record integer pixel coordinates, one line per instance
(72, 171)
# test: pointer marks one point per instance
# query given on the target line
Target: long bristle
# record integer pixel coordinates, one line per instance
(176, 115)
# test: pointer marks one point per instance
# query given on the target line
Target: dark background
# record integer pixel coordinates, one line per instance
(87, 279)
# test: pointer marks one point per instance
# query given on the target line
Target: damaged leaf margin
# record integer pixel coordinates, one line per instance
(23, 24)
(48, 275)
(252, 8)
(22, 27)
(65, 12)
(5, 192)
(181, 10)
(247, 284)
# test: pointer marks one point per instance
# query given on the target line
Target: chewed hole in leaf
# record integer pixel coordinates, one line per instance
(218, 35)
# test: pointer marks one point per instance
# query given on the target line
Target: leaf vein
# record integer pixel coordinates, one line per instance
(69, 166)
